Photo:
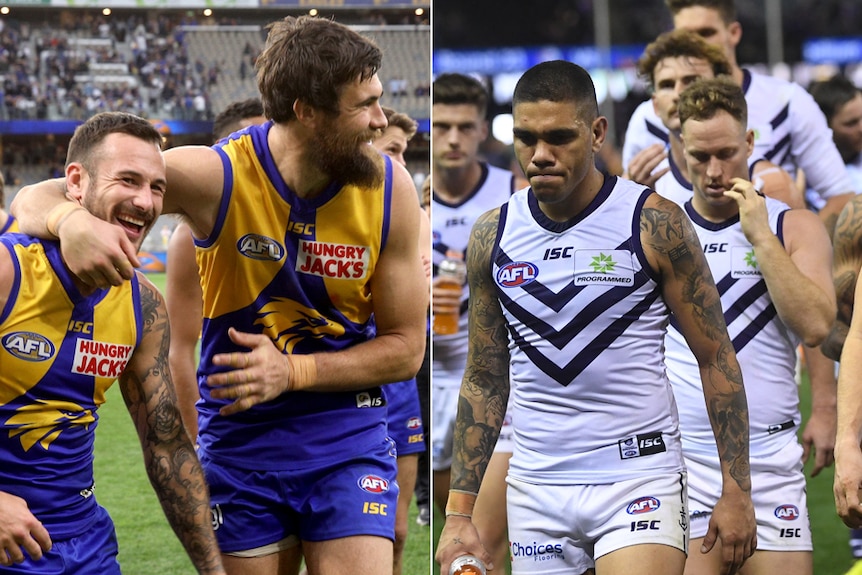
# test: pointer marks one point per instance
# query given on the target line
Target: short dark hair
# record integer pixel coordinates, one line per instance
(832, 94)
(401, 120)
(708, 96)
(311, 59)
(558, 81)
(228, 120)
(89, 135)
(680, 43)
(454, 89)
(726, 8)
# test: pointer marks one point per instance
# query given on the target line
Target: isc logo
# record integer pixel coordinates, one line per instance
(300, 228)
(643, 505)
(80, 327)
(714, 248)
(645, 525)
(787, 512)
(259, 247)
(373, 484)
(373, 508)
(28, 346)
(517, 274)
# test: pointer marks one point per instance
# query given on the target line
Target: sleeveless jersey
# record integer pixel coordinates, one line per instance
(451, 226)
(765, 347)
(299, 271)
(60, 352)
(789, 131)
(590, 399)
(10, 226)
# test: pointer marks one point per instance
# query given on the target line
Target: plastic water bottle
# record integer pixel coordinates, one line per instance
(451, 275)
(467, 565)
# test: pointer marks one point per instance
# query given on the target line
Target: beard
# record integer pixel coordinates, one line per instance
(347, 158)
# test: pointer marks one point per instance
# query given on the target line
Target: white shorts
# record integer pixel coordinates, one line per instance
(556, 529)
(777, 491)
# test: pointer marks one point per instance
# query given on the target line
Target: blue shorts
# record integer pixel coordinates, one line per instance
(92, 553)
(321, 502)
(404, 414)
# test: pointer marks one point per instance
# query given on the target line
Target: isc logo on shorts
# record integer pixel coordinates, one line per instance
(787, 512)
(373, 484)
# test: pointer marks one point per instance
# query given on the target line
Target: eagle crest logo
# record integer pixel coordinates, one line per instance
(43, 421)
(288, 323)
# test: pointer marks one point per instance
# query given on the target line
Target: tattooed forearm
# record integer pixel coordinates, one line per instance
(169, 457)
(485, 388)
(728, 413)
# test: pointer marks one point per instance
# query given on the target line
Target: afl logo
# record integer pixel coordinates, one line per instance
(28, 346)
(516, 274)
(787, 512)
(259, 247)
(373, 484)
(643, 505)
(414, 423)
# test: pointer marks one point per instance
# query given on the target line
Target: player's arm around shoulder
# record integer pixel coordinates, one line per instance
(846, 263)
(195, 185)
(169, 457)
(802, 290)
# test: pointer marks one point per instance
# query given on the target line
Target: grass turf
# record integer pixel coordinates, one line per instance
(147, 544)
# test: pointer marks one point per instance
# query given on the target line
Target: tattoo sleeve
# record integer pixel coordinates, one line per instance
(485, 387)
(169, 457)
(691, 293)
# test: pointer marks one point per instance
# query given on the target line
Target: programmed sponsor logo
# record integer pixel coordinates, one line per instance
(258, 247)
(536, 551)
(28, 346)
(604, 267)
(517, 274)
(744, 263)
(335, 261)
(643, 505)
(100, 359)
(787, 512)
(373, 484)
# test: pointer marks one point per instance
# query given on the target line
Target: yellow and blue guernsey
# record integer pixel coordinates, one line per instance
(11, 225)
(60, 353)
(299, 271)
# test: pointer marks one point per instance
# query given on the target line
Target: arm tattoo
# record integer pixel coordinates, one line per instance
(169, 457)
(668, 232)
(485, 388)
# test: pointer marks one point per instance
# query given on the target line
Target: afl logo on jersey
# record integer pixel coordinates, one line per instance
(373, 484)
(28, 346)
(516, 274)
(259, 247)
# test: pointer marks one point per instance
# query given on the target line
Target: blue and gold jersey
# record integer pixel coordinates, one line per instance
(59, 353)
(299, 271)
(10, 226)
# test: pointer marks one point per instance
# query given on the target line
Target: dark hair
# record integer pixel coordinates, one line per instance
(88, 136)
(311, 59)
(228, 120)
(454, 89)
(725, 8)
(401, 120)
(706, 97)
(558, 81)
(832, 94)
(680, 43)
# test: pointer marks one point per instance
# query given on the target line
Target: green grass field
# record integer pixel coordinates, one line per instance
(831, 548)
(147, 544)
